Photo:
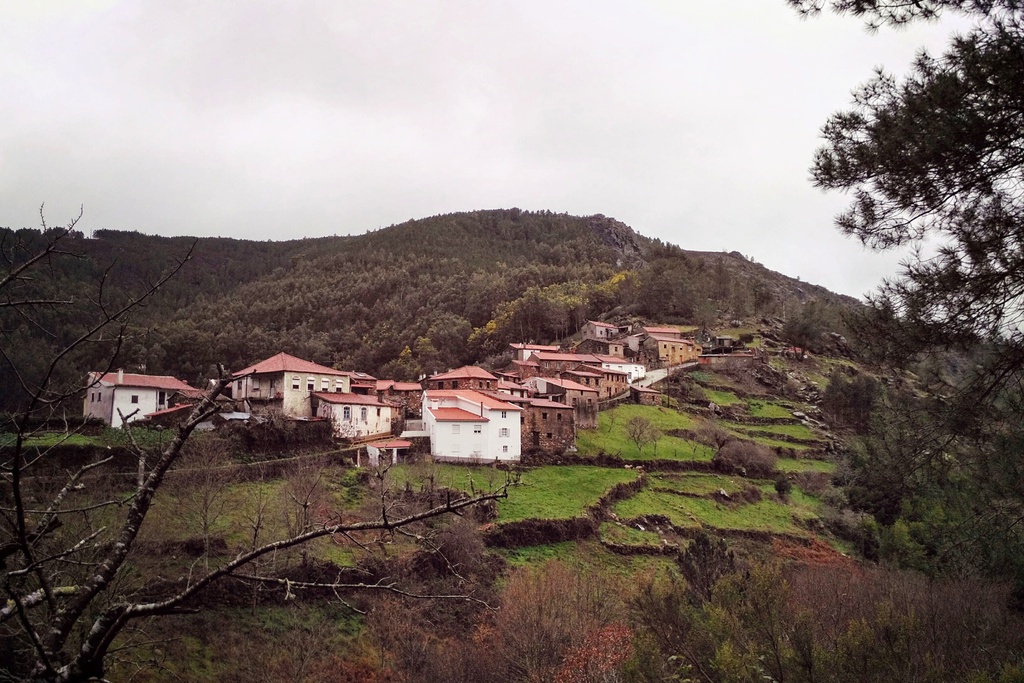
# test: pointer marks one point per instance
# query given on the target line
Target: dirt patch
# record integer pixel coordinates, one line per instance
(811, 552)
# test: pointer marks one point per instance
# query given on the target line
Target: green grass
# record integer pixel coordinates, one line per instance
(611, 437)
(805, 465)
(627, 535)
(543, 493)
(722, 398)
(687, 512)
(696, 484)
(758, 408)
(52, 439)
(538, 554)
(797, 431)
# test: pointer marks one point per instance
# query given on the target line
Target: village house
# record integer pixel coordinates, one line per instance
(673, 332)
(471, 426)
(284, 384)
(524, 351)
(467, 377)
(408, 395)
(634, 371)
(593, 329)
(546, 425)
(389, 452)
(583, 399)
(110, 395)
(609, 347)
(355, 416)
(666, 350)
(645, 396)
(553, 363)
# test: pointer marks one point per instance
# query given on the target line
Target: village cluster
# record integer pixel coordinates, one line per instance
(534, 404)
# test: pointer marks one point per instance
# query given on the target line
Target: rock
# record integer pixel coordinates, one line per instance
(799, 415)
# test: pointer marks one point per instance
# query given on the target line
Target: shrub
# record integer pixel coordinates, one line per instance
(745, 458)
(783, 486)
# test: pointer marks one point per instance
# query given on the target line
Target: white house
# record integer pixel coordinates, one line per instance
(355, 416)
(471, 426)
(285, 384)
(133, 395)
(634, 371)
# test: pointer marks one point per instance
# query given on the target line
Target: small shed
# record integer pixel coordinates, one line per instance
(390, 451)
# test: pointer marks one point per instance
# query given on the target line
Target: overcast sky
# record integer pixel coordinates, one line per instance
(693, 121)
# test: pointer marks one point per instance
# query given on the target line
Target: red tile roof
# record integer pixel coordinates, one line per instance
(129, 379)
(394, 443)
(487, 400)
(350, 399)
(390, 384)
(465, 372)
(168, 411)
(534, 347)
(456, 415)
(284, 362)
(662, 330)
(570, 357)
(540, 403)
(601, 324)
(569, 384)
(669, 338)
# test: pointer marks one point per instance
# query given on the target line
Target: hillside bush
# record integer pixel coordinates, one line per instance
(745, 458)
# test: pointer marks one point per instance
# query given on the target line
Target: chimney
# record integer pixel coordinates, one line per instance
(120, 375)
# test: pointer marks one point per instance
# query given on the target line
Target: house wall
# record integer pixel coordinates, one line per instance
(122, 400)
(273, 392)
(377, 419)
(552, 430)
(466, 443)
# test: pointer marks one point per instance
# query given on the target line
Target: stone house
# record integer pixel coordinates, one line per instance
(583, 399)
(407, 395)
(645, 396)
(469, 377)
(609, 347)
(593, 329)
(664, 350)
(547, 426)
(523, 351)
(112, 394)
(284, 384)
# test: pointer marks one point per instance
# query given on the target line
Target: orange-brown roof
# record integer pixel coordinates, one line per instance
(129, 379)
(570, 357)
(284, 362)
(386, 384)
(569, 384)
(601, 324)
(534, 347)
(465, 372)
(456, 415)
(168, 411)
(488, 401)
(394, 443)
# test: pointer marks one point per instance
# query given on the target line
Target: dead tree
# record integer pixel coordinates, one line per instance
(65, 549)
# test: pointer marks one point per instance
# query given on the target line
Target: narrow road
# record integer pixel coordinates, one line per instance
(661, 373)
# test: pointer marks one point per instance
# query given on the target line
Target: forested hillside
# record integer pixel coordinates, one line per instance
(413, 298)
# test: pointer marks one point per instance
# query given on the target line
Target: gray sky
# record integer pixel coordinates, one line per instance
(691, 121)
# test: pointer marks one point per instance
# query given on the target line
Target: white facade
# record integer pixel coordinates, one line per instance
(471, 426)
(634, 371)
(354, 416)
(112, 395)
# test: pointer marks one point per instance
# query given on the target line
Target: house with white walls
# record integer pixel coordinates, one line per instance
(285, 384)
(110, 395)
(471, 426)
(355, 416)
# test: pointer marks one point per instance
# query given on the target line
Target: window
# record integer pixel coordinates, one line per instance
(503, 432)
(238, 386)
(362, 414)
(504, 414)
(135, 398)
(310, 384)
(161, 397)
(455, 429)
(255, 384)
(339, 385)
(477, 429)
(504, 449)
(378, 412)
(543, 416)
(295, 381)
(325, 384)
(548, 435)
(558, 417)
(346, 414)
